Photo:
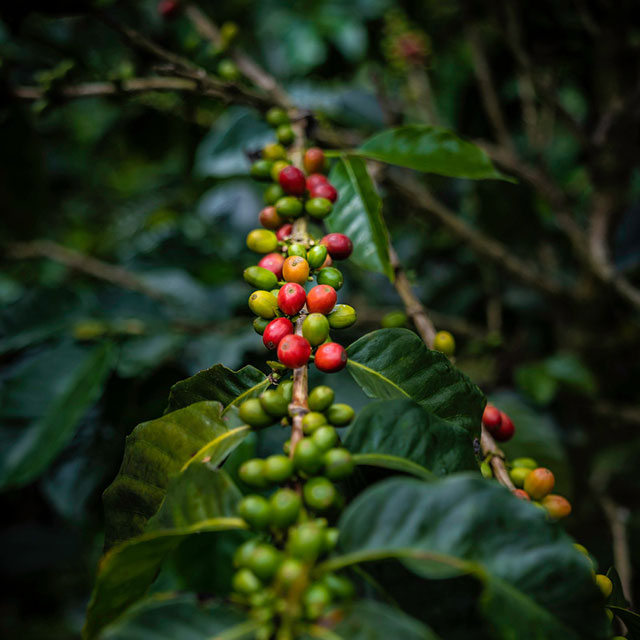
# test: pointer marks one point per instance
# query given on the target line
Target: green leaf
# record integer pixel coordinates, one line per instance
(535, 381)
(617, 597)
(631, 621)
(536, 585)
(395, 363)
(358, 214)
(393, 463)
(157, 449)
(431, 150)
(42, 403)
(220, 384)
(201, 499)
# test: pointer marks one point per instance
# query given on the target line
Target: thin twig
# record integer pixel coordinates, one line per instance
(490, 448)
(618, 519)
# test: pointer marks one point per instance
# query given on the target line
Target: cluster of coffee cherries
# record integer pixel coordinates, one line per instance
(277, 575)
(289, 262)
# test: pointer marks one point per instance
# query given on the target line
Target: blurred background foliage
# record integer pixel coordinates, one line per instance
(156, 184)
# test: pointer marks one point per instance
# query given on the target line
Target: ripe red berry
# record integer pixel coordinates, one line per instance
(313, 160)
(331, 357)
(491, 418)
(314, 180)
(321, 299)
(294, 351)
(275, 331)
(325, 190)
(291, 298)
(284, 231)
(269, 218)
(339, 245)
(506, 429)
(168, 8)
(292, 180)
(522, 494)
(273, 262)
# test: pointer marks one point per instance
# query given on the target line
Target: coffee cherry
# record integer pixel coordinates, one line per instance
(331, 357)
(243, 553)
(274, 151)
(262, 241)
(518, 475)
(260, 277)
(260, 324)
(315, 328)
(277, 167)
(285, 134)
(485, 470)
(291, 573)
(297, 249)
(261, 170)
(273, 262)
(255, 511)
(444, 343)
(340, 414)
(316, 256)
(539, 483)
(273, 193)
(523, 495)
(330, 276)
(245, 582)
(557, 507)
(340, 586)
(325, 437)
(294, 351)
(306, 541)
(321, 299)
(263, 304)
(339, 245)
(289, 207)
(318, 207)
(274, 403)
(313, 160)
(276, 116)
(528, 463)
(325, 190)
(278, 469)
(506, 429)
(286, 389)
(295, 269)
(313, 421)
(342, 316)
(307, 456)
(338, 463)
(331, 536)
(265, 561)
(291, 298)
(321, 398)
(270, 219)
(491, 418)
(251, 472)
(228, 70)
(285, 507)
(314, 180)
(319, 493)
(275, 331)
(252, 413)
(292, 180)
(604, 584)
(316, 599)
(284, 231)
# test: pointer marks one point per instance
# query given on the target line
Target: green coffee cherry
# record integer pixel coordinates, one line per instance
(315, 328)
(316, 599)
(291, 572)
(321, 398)
(243, 553)
(325, 437)
(262, 241)
(342, 316)
(277, 469)
(318, 207)
(245, 582)
(338, 463)
(276, 116)
(265, 561)
(285, 134)
(340, 415)
(286, 447)
(306, 541)
(297, 249)
(340, 586)
(331, 536)
(227, 70)
(275, 292)
(274, 403)
(313, 421)
(263, 304)
(251, 472)
(528, 463)
(319, 493)
(255, 511)
(260, 277)
(316, 256)
(286, 389)
(445, 343)
(307, 456)
(274, 152)
(485, 469)
(277, 167)
(285, 507)
(518, 475)
(260, 324)
(333, 277)
(394, 319)
(289, 207)
(273, 193)
(252, 413)
(261, 170)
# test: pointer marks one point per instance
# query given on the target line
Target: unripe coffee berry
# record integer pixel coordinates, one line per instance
(445, 343)
(255, 511)
(339, 245)
(262, 241)
(318, 207)
(316, 599)
(274, 151)
(260, 277)
(321, 298)
(506, 429)
(251, 472)
(539, 483)
(315, 328)
(273, 262)
(340, 414)
(313, 160)
(228, 70)
(307, 456)
(557, 507)
(325, 190)
(342, 316)
(245, 582)
(270, 219)
(338, 463)
(243, 553)
(285, 134)
(261, 170)
(321, 398)
(277, 167)
(306, 541)
(265, 561)
(523, 495)
(604, 584)
(285, 507)
(312, 421)
(316, 256)
(339, 586)
(278, 469)
(394, 319)
(331, 276)
(528, 463)
(263, 304)
(260, 324)
(325, 437)
(485, 470)
(275, 331)
(297, 249)
(331, 357)
(252, 413)
(518, 475)
(331, 536)
(286, 389)
(319, 493)
(274, 403)
(314, 180)
(273, 193)
(292, 180)
(291, 298)
(491, 418)
(276, 116)
(289, 207)
(294, 351)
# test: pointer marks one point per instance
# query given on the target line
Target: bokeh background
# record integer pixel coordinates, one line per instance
(150, 194)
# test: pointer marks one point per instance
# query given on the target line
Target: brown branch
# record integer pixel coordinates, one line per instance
(618, 518)
(490, 448)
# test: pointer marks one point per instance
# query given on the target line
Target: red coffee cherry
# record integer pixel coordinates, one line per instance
(168, 8)
(270, 219)
(523, 495)
(292, 180)
(321, 299)
(275, 331)
(291, 298)
(491, 418)
(313, 160)
(506, 429)
(325, 190)
(294, 351)
(339, 245)
(539, 483)
(314, 180)
(284, 231)
(273, 262)
(331, 357)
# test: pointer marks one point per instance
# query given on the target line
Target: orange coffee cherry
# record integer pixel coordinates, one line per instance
(295, 269)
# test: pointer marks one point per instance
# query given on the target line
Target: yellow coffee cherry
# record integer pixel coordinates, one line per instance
(445, 343)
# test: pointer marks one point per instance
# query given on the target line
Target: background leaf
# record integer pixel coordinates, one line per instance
(631, 621)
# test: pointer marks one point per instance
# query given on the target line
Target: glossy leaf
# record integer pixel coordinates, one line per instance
(431, 150)
(617, 597)
(201, 499)
(536, 585)
(42, 402)
(395, 363)
(157, 449)
(403, 429)
(220, 384)
(392, 463)
(631, 621)
(358, 214)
